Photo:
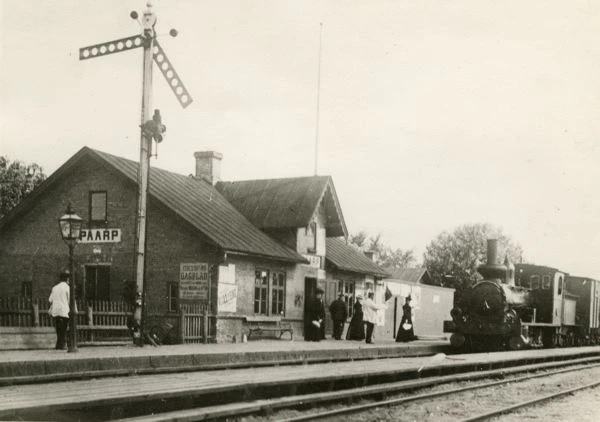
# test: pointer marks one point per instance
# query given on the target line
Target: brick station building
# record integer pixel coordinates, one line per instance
(242, 248)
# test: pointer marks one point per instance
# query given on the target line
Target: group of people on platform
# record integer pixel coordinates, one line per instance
(362, 323)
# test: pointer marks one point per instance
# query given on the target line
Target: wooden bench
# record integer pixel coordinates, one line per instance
(264, 324)
(118, 334)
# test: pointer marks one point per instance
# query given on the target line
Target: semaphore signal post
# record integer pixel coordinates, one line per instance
(151, 128)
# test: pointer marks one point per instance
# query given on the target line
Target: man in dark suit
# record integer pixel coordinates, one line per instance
(314, 329)
(339, 313)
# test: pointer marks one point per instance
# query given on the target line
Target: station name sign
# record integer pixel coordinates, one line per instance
(314, 261)
(99, 236)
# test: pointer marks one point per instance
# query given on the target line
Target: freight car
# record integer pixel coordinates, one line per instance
(587, 312)
(525, 305)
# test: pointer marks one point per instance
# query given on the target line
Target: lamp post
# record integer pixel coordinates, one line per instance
(70, 227)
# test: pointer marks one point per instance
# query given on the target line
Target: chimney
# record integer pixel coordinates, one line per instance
(208, 166)
(372, 255)
(492, 251)
(490, 270)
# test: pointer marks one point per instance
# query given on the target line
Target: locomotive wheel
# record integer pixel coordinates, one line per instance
(548, 339)
(515, 343)
(457, 340)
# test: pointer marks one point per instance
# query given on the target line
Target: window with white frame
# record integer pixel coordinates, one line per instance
(261, 290)
(278, 293)
(269, 288)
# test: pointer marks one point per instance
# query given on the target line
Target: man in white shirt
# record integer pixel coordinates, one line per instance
(370, 309)
(59, 309)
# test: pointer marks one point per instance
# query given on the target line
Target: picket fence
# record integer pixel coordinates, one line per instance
(107, 321)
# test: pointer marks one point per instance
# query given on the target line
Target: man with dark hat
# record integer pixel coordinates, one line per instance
(339, 313)
(315, 317)
(59, 309)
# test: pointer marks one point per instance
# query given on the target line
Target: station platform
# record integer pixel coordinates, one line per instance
(140, 394)
(31, 366)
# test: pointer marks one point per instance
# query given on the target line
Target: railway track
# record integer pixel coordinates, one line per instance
(429, 396)
(529, 403)
(266, 408)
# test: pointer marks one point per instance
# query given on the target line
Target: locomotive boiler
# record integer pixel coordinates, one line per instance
(489, 314)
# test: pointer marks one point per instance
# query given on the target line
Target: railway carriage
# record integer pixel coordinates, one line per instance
(587, 312)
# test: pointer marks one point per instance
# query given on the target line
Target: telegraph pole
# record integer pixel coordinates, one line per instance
(151, 128)
(318, 100)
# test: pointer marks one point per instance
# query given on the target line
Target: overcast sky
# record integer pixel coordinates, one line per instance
(434, 113)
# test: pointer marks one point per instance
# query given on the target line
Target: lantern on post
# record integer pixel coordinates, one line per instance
(70, 227)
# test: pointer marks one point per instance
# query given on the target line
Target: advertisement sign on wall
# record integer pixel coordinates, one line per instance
(193, 281)
(227, 289)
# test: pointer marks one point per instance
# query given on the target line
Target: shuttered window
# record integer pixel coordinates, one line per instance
(98, 207)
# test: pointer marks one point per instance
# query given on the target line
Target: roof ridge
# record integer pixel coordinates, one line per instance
(270, 179)
(212, 214)
(97, 151)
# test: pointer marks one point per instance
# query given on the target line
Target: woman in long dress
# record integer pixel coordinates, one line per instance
(406, 332)
(356, 329)
(314, 329)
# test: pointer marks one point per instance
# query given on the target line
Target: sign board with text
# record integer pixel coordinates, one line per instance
(227, 289)
(99, 236)
(193, 281)
(314, 261)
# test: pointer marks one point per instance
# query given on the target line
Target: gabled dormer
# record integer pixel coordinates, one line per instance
(300, 212)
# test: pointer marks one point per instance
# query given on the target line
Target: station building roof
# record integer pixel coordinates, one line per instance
(286, 203)
(194, 200)
(348, 258)
(410, 275)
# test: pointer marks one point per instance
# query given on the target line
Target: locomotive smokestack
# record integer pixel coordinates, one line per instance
(492, 251)
(491, 270)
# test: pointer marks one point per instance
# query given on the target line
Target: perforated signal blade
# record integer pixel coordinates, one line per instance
(111, 47)
(165, 66)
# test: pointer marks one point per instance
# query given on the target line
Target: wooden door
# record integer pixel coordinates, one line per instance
(310, 287)
(330, 296)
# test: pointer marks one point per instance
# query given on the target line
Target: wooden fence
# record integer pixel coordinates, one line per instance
(197, 324)
(105, 321)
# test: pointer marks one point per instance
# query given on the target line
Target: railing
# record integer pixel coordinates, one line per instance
(23, 312)
(97, 321)
(103, 321)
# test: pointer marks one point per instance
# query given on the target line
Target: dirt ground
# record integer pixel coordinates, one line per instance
(583, 406)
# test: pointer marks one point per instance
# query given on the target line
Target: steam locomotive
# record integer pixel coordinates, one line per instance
(524, 305)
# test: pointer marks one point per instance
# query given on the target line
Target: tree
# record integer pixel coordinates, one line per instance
(385, 256)
(17, 179)
(452, 258)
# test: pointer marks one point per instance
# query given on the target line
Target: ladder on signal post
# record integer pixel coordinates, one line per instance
(152, 51)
